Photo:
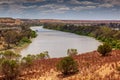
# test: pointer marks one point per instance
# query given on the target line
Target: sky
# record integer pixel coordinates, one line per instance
(61, 9)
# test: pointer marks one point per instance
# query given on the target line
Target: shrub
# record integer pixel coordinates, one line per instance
(28, 60)
(67, 66)
(25, 40)
(10, 69)
(104, 49)
(43, 55)
(33, 34)
(118, 68)
(72, 52)
(10, 55)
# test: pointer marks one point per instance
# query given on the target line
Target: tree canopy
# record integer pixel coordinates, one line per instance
(67, 66)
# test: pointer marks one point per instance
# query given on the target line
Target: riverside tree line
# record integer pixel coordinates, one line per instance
(105, 34)
(16, 37)
(12, 65)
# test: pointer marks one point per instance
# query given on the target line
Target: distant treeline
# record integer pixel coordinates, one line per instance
(104, 34)
(15, 37)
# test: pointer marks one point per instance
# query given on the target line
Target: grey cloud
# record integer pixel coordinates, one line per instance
(79, 8)
(106, 5)
(112, 2)
(61, 6)
(15, 9)
(29, 1)
(60, 1)
(19, 1)
(6, 2)
(28, 7)
(53, 8)
(82, 2)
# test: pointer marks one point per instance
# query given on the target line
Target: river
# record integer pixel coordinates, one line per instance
(57, 43)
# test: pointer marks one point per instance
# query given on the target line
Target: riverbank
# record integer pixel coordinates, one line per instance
(21, 44)
(57, 43)
(92, 66)
(18, 49)
(103, 34)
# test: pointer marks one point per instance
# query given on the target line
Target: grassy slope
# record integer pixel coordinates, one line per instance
(91, 65)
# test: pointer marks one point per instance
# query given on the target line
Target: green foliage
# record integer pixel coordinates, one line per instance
(104, 49)
(43, 55)
(118, 45)
(33, 34)
(67, 66)
(28, 60)
(14, 38)
(10, 68)
(25, 40)
(10, 55)
(102, 33)
(10, 37)
(72, 52)
(117, 35)
(9, 65)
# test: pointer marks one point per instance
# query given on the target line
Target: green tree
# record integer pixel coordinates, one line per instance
(10, 55)
(10, 69)
(25, 40)
(28, 60)
(33, 34)
(10, 37)
(43, 55)
(72, 52)
(104, 49)
(117, 35)
(67, 66)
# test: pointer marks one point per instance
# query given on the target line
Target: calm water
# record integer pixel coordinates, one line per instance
(57, 43)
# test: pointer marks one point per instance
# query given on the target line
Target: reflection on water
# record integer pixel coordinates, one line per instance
(57, 43)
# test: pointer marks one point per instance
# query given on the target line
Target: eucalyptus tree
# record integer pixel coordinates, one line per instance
(43, 55)
(10, 69)
(104, 49)
(72, 52)
(67, 66)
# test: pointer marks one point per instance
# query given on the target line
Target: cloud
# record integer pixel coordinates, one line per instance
(16, 6)
(82, 2)
(48, 8)
(1, 8)
(15, 9)
(29, 1)
(6, 2)
(79, 8)
(19, 1)
(24, 7)
(28, 7)
(60, 1)
(106, 5)
(113, 2)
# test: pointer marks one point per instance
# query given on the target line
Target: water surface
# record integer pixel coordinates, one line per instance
(57, 43)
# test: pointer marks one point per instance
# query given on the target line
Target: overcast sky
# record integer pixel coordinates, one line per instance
(61, 9)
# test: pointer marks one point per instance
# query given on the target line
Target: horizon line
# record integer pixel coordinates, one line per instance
(64, 19)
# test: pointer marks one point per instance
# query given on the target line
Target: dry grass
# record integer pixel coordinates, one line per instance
(91, 67)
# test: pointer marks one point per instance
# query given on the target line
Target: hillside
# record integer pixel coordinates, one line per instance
(13, 21)
(78, 21)
(10, 21)
(92, 66)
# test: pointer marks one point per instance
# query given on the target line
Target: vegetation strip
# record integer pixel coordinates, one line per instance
(104, 34)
